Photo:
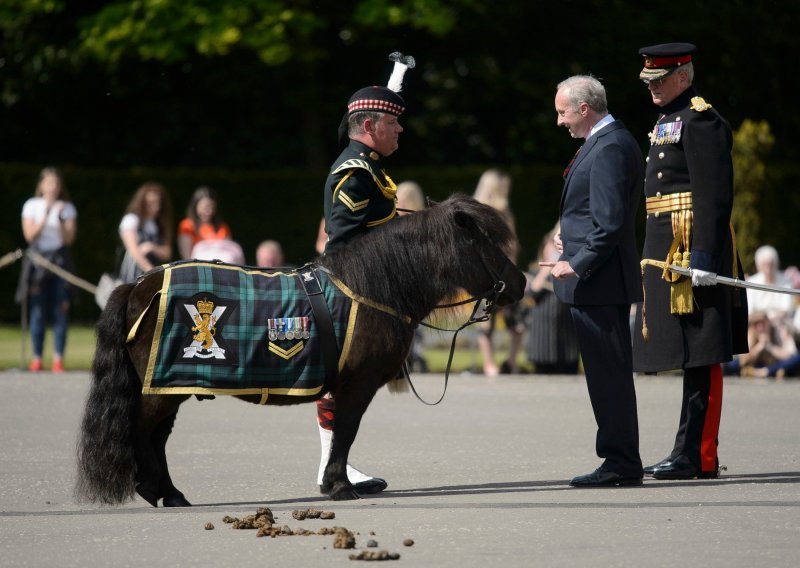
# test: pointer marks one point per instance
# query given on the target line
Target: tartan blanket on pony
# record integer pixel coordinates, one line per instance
(225, 329)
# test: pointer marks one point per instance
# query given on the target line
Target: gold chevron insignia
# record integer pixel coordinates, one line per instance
(286, 353)
(352, 205)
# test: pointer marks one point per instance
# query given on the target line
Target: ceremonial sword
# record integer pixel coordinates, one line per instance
(738, 283)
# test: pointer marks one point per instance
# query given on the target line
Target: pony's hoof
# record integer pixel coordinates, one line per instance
(370, 486)
(345, 492)
(345, 495)
(146, 494)
(177, 499)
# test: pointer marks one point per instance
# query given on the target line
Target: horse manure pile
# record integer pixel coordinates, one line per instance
(303, 514)
(264, 523)
(375, 555)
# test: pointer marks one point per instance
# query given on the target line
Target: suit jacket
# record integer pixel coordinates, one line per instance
(598, 212)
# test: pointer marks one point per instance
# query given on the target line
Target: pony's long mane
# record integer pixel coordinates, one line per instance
(411, 263)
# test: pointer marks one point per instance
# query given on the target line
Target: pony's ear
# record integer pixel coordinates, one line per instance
(464, 220)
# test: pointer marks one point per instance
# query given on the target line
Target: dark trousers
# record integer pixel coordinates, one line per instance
(49, 300)
(605, 342)
(701, 409)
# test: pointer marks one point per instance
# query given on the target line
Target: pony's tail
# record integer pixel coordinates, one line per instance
(106, 461)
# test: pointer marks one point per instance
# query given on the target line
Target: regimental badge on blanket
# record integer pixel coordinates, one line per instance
(667, 133)
(205, 315)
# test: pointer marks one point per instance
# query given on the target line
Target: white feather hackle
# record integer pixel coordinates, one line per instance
(401, 64)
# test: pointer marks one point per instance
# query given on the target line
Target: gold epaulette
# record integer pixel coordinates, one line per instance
(699, 104)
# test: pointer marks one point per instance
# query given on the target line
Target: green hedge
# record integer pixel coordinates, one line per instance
(287, 206)
(281, 205)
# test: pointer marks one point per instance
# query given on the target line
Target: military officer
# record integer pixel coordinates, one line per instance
(359, 196)
(688, 323)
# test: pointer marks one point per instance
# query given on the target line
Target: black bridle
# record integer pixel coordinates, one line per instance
(485, 306)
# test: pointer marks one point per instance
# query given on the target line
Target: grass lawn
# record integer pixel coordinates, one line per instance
(81, 342)
(79, 352)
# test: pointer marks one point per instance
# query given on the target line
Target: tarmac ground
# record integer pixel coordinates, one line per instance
(480, 480)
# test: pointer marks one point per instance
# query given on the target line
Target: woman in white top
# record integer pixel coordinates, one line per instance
(146, 231)
(49, 224)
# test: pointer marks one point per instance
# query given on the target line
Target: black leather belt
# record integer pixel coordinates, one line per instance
(322, 315)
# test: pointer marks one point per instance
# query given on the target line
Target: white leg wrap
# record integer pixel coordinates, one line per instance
(325, 438)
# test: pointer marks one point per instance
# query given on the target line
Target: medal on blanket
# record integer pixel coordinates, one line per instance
(273, 332)
(290, 333)
(281, 328)
(305, 327)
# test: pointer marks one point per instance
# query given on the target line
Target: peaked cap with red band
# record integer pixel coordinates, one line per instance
(662, 59)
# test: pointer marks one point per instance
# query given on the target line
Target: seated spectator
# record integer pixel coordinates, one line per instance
(269, 254)
(225, 250)
(202, 222)
(776, 306)
(772, 348)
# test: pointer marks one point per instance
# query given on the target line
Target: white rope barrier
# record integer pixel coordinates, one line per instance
(13, 256)
(58, 271)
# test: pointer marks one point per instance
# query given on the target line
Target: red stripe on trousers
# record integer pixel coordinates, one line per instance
(708, 444)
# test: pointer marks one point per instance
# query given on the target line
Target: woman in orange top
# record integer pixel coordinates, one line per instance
(202, 222)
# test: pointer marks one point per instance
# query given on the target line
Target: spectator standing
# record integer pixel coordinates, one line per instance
(493, 189)
(410, 197)
(203, 221)
(146, 231)
(49, 225)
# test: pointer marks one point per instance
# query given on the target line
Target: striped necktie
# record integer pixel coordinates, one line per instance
(572, 161)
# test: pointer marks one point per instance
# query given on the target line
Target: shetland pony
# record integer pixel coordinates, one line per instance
(403, 270)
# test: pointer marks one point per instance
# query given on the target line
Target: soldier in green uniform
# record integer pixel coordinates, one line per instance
(358, 197)
(688, 323)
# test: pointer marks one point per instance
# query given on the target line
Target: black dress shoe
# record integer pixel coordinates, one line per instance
(648, 470)
(681, 468)
(370, 486)
(605, 478)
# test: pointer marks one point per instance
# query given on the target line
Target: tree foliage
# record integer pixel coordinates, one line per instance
(751, 143)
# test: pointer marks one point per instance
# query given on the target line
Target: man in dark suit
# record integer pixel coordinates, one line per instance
(598, 272)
